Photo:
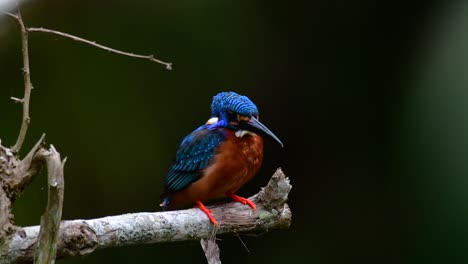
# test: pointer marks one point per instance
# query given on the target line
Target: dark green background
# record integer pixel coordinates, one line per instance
(369, 97)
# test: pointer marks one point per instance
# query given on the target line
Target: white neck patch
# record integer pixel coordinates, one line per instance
(241, 133)
(212, 120)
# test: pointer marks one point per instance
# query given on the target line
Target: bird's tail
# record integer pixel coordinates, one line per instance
(165, 203)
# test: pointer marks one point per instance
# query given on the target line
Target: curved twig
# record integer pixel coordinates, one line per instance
(50, 220)
(92, 43)
(27, 84)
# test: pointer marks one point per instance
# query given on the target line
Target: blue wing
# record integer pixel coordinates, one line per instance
(194, 154)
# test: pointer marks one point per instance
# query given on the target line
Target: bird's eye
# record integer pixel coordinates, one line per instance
(231, 115)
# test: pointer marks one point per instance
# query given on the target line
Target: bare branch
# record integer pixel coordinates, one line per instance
(92, 43)
(25, 170)
(50, 220)
(17, 100)
(27, 85)
(27, 75)
(211, 250)
(82, 237)
(10, 15)
(151, 57)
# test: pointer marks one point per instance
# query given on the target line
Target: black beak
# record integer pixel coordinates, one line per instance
(255, 126)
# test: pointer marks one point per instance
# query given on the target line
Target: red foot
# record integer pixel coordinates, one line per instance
(207, 211)
(242, 200)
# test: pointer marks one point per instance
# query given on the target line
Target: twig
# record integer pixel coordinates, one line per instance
(26, 71)
(151, 57)
(50, 220)
(10, 14)
(243, 243)
(82, 237)
(92, 43)
(27, 84)
(17, 100)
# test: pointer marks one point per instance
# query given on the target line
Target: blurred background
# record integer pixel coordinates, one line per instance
(369, 98)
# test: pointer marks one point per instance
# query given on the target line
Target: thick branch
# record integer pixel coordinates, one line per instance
(8, 164)
(50, 220)
(27, 85)
(92, 43)
(81, 237)
(6, 227)
(23, 171)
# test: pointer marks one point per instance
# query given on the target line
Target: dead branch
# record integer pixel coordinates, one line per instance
(27, 84)
(50, 220)
(55, 238)
(82, 237)
(150, 57)
(92, 43)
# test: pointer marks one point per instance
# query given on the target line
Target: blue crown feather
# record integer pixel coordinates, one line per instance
(231, 101)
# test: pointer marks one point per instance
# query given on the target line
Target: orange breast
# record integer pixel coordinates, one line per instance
(236, 162)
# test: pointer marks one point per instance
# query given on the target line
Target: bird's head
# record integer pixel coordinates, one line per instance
(229, 109)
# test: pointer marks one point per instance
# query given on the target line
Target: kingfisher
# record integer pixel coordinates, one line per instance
(219, 157)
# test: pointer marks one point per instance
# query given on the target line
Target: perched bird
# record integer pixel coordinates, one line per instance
(219, 157)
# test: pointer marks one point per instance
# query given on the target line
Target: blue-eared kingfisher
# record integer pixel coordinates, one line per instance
(219, 157)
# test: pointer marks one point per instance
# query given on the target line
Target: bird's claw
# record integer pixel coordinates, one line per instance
(242, 200)
(207, 211)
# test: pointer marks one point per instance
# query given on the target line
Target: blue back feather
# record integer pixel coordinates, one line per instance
(195, 153)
